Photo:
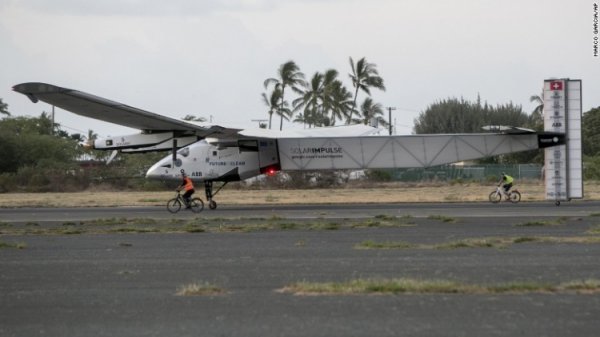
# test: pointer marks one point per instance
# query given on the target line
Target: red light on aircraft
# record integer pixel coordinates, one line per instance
(270, 170)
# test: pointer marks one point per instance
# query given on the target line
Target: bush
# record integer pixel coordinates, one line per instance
(379, 175)
(591, 168)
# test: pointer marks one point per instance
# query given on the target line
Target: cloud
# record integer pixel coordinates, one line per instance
(140, 8)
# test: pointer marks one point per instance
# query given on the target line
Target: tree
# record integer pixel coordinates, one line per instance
(91, 135)
(364, 76)
(537, 115)
(590, 134)
(323, 100)
(4, 108)
(272, 102)
(310, 100)
(460, 116)
(337, 100)
(370, 110)
(28, 142)
(192, 118)
(289, 75)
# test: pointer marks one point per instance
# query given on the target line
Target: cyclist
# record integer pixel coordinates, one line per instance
(507, 182)
(188, 186)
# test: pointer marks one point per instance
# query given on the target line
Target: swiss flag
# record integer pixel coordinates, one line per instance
(556, 85)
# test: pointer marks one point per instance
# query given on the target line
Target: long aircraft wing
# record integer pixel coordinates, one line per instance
(88, 105)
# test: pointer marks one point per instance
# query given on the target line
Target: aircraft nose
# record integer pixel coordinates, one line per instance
(160, 170)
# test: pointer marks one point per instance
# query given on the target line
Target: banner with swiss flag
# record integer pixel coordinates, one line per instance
(556, 85)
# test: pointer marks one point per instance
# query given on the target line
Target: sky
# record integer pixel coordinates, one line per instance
(210, 58)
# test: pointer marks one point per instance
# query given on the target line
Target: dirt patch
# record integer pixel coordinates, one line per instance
(388, 193)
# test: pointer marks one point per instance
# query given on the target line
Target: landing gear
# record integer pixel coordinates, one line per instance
(208, 189)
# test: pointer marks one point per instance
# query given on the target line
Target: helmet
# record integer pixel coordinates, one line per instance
(502, 173)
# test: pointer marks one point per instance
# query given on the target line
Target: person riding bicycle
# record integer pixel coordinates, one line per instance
(188, 186)
(506, 181)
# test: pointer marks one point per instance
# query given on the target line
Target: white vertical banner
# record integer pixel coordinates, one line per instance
(574, 148)
(562, 114)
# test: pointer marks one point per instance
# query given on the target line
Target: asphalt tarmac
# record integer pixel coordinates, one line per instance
(126, 284)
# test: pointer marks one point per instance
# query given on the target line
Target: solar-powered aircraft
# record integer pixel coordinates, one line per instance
(211, 153)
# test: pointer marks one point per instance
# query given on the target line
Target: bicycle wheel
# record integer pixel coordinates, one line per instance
(515, 197)
(495, 197)
(173, 205)
(196, 205)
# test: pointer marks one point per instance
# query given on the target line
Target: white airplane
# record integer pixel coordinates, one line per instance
(212, 153)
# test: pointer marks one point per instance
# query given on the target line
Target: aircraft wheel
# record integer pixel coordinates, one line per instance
(212, 204)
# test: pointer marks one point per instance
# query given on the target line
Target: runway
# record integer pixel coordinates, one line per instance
(504, 209)
(125, 284)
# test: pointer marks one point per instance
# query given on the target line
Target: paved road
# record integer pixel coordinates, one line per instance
(531, 209)
(125, 284)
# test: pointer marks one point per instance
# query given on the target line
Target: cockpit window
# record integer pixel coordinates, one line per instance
(184, 152)
(166, 165)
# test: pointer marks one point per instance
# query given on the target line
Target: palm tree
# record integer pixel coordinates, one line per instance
(192, 118)
(310, 99)
(370, 110)
(91, 135)
(338, 101)
(323, 99)
(289, 76)
(4, 108)
(284, 113)
(272, 102)
(537, 117)
(364, 76)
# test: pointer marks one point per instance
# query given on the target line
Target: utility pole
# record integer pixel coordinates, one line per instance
(390, 108)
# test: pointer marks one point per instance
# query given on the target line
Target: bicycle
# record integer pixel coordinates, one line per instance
(196, 205)
(513, 196)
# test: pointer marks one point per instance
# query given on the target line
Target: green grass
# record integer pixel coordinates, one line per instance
(442, 218)
(12, 245)
(327, 226)
(386, 221)
(370, 244)
(134, 230)
(595, 214)
(385, 217)
(191, 228)
(594, 230)
(288, 225)
(485, 242)
(199, 289)
(541, 223)
(416, 286)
